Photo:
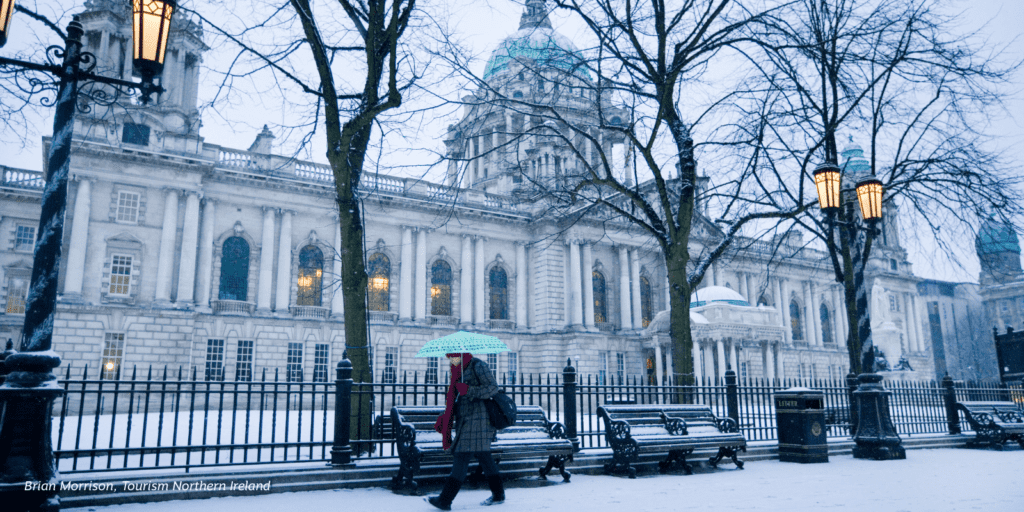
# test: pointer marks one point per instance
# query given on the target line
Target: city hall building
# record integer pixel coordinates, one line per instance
(183, 253)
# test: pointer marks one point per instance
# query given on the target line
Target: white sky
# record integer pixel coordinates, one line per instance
(482, 24)
(946, 480)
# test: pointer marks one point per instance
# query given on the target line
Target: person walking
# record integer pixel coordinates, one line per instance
(465, 411)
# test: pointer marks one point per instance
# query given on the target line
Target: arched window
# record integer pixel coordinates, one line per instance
(499, 294)
(600, 298)
(311, 275)
(441, 289)
(646, 307)
(794, 320)
(379, 294)
(763, 301)
(826, 325)
(234, 269)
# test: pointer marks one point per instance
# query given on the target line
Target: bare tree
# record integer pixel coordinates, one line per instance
(893, 72)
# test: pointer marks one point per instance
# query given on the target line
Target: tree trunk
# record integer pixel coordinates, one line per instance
(682, 339)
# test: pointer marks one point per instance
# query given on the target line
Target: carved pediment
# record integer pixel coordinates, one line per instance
(124, 240)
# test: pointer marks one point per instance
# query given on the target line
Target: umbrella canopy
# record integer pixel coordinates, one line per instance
(460, 342)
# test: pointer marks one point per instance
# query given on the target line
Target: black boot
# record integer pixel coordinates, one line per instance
(497, 491)
(448, 492)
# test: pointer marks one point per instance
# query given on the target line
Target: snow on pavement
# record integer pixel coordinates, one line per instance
(937, 480)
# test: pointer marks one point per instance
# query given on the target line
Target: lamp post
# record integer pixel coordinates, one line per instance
(873, 431)
(29, 480)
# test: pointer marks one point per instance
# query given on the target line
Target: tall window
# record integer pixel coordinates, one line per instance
(321, 362)
(620, 367)
(378, 267)
(441, 289)
(311, 275)
(17, 291)
(431, 377)
(492, 361)
(128, 207)
(214, 359)
(743, 371)
(234, 269)
(794, 320)
(113, 354)
(499, 294)
(390, 365)
(243, 360)
(646, 306)
(602, 369)
(826, 325)
(600, 298)
(294, 362)
(24, 238)
(120, 275)
(513, 366)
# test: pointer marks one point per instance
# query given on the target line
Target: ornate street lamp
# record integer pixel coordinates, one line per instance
(873, 431)
(151, 23)
(27, 395)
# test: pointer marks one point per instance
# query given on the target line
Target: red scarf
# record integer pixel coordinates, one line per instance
(444, 422)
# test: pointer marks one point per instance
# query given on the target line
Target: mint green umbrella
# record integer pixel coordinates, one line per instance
(460, 342)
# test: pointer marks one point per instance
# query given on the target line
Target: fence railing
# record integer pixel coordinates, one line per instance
(184, 418)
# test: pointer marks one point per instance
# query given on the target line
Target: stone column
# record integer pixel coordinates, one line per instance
(741, 286)
(698, 364)
(575, 285)
(265, 284)
(709, 276)
(634, 275)
(479, 284)
(338, 299)
(670, 368)
(816, 302)
(840, 313)
(466, 282)
(189, 245)
(734, 358)
(206, 254)
(420, 297)
(769, 361)
(521, 280)
(658, 373)
(165, 262)
(918, 328)
(405, 276)
(908, 324)
(809, 336)
(721, 359)
(284, 264)
(784, 309)
(752, 295)
(79, 240)
(625, 314)
(587, 281)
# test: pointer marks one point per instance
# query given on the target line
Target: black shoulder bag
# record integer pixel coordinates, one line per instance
(501, 410)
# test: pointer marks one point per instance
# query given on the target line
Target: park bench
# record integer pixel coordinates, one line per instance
(994, 422)
(532, 437)
(836, 417)
(674, 430)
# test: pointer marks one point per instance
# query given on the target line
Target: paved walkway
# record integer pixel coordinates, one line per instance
(936, 480)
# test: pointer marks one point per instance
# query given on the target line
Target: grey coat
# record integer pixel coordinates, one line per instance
(473, 430)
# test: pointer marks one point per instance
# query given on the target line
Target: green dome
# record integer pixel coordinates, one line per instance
(995, 237)
(855, 161)
(544, 46)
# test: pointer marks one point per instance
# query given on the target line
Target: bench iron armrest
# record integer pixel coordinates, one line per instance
(556, 430)
(1010, 416)
(727, 425)
(617, 432)
(405, 437)
(674, 426)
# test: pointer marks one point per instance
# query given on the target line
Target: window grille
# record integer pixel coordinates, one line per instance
(113, 354)
(620, 367)
(743, 371)
(492, 361)
(432, 364)
(513, 366)
(499, 294)
(379, 269)
(646, 305)
(128, 207)
(214, 359)
(243, 360)
(120, 275)
(602, 369)
(234, 270)
(17, 290)
(441, 289)
(390, 365)
(321, 362)
(294, 362)
(600, 298)
(24, 238)
(311, 269)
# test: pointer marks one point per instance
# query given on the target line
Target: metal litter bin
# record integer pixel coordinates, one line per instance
(800, 417)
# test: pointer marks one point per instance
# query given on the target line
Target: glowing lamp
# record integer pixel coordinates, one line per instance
(151, 26)
(826, 180)
(869, 195)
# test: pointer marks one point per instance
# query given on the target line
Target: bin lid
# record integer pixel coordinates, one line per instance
(800, 391)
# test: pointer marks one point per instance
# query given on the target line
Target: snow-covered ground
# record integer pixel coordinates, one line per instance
(938, 480)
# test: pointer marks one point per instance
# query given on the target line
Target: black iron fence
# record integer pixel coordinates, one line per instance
(171, 418)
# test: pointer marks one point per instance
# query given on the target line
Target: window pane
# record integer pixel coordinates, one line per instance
(311, 268)
(432, 364)
(294, 368)
(826, 325)
(243, 360)
(441, 289)
(646, 305)
(794, 320)
(24, 238)
(321, 362)
(600, 298)
(378, 268)
(234, 270)
(113, 354)
(17, 290)
(513, 366)
(120, 275)
(214, 359)
(499, 294)
(390, 365)
(127, 207)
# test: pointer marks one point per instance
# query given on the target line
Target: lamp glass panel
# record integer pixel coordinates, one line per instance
(6, 14)
(870, 197)
(151, 20)
(827, 183)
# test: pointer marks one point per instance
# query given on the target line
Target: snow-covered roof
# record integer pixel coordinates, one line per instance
(719, 294)
(543, 45)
